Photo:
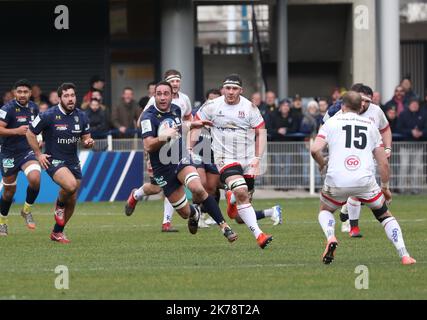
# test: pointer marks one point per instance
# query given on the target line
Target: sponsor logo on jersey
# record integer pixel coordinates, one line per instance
(17, 109)
(72, 140)
(352, 163)
(21, 119)
(160, 181)
(61, 127)
(3, 114)
(241, 114)
(57, 117)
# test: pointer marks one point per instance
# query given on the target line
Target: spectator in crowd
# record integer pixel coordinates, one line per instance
(96, 94)
(97, 119)
(150, 92)
(397, 101)
(7, 96)
(311, 120)
(376, 99)
(406, 85)
(212, 94)
(296, 109)
(391, 115)
(257, 100)
(53, 98)
(96, 82)
(412, 125)
(284, 122)
(37, 95)
(323, 106)
(125, 115)
(335, 96)
(43, 107)
(270, 102)
(423, 105)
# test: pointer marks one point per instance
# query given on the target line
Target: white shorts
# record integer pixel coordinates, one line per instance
(334, 197)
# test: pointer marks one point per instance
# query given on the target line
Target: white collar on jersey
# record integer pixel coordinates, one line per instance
(63, 111)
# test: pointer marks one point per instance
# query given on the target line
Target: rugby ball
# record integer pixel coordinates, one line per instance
(167, 123)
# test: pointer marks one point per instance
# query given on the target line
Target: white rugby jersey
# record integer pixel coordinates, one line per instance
(183, 101)
(351, 140)
(233, 137)
(376, 115)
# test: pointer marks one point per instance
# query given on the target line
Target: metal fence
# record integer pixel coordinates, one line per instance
(289, 165)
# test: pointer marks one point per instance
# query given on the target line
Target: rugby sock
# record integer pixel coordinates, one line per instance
(327, 222)
(26, 208)
(5, 206)
(344, 213)
(268, 212)
(394, 233)
(139, 194)
(31, 195)
(232, 199)
(217, 195)
(168, 211)
(57, 228)
(60, 203)
(211, 207)
(353, 207)
(248, 215)
(259, 214)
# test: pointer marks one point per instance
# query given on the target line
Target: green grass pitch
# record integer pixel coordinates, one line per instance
(112, 256)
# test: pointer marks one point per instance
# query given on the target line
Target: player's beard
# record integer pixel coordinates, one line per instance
(23, 101)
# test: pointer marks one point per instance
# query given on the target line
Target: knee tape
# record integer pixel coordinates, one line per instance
(32, 167)
(238, 183)
(190, 177)
(180, 203)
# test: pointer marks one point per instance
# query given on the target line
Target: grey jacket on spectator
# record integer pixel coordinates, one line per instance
(125, 115)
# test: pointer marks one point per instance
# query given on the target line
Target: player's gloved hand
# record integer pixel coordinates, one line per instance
(88, 143)
(21, 131)
(168, 134)
(43, 160)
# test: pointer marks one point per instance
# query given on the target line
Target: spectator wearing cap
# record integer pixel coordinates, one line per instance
(125, 115)
(97, 119)
(96, 82)
(296, 109)
(397, 101)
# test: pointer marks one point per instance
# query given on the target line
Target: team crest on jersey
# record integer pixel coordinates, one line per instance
(352, 163)
(76, 118)
(242, 114)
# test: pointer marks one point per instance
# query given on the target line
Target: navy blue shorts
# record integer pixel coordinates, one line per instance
(56, 164)
(209, 167)
(167, 176)
(12, 163)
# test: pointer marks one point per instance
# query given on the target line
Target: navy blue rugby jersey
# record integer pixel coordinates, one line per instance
(16, 115)
(61, 132)
(170, 153)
